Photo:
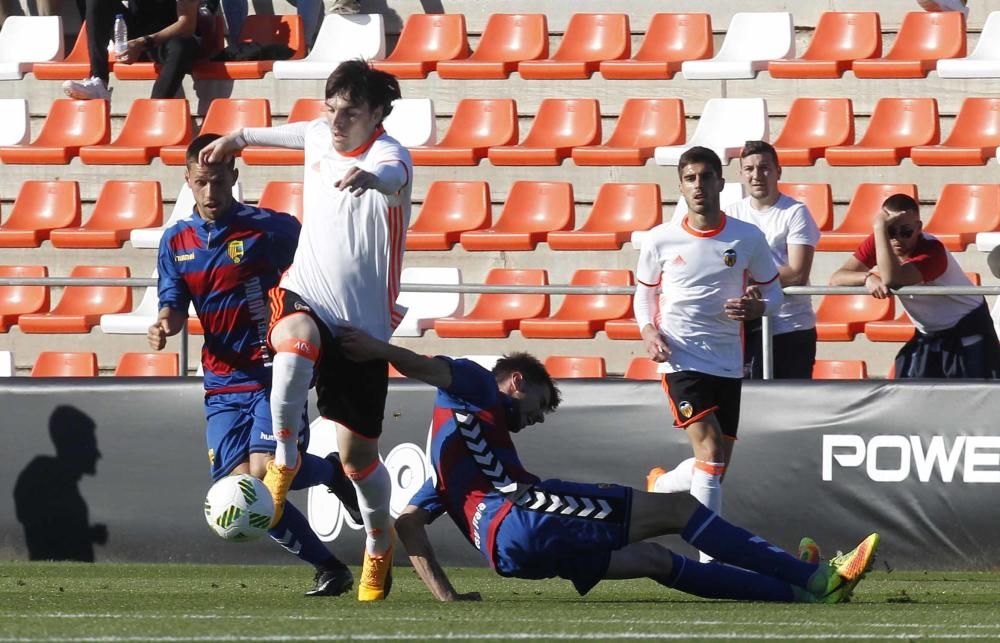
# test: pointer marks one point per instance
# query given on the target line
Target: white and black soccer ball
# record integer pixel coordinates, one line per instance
(239, 508)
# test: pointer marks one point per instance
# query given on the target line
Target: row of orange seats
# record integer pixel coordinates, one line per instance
(84, 364)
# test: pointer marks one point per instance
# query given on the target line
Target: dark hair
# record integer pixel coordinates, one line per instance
(358, 82)
(759, 147)
(195, 147)
(698, 154)
(901, 203)
(532, 370)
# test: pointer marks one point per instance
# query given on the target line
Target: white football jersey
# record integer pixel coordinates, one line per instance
(697, 271)
(350, 252)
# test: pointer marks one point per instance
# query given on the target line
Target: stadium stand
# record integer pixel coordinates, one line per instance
(984, 61)
(590, 39)
(449, 209)
(532, 210)
(282, 196)
(670, 39)
(642, 368)
(65, 364)
(644, 125)
(507, 39)
(263, 30)
(896, 126)
(818, 197)
(857, 222)
(839, 318)
(963, 210)
(80, 307)
(973, 139)
(70, 125)
(22, 300)
(40, 208)
(813, 125)
(581, 316)
(924, 38)
(752, 41)
(121, 207)
(724, 126)
(150, 125)
(74, 66)
(840, 369)
(25, 40)
(224, 115)
(840, 39)
(138, 321)
(497, 314)
(426, 307)
(619, 210)
(148, 364)
(340, 38)
(211, 43)
(15, 122)
(412, 122)
(560, 125)
(563, 367)
(477, 126)
(426, 39)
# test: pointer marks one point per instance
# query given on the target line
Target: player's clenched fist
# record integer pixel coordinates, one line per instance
(655, 343)
(157, 335)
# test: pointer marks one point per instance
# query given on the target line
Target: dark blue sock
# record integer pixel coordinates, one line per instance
(294, 534)
(713, 580)
(728, 543)
(315, 470)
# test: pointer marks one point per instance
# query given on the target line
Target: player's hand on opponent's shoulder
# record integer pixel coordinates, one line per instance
(356, 180)
(156, 335)
(655, 344)
(221, 149)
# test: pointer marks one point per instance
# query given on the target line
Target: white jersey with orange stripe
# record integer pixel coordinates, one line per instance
(350, 253)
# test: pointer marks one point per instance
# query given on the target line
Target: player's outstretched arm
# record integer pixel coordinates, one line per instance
(411, 529)
(361, 347)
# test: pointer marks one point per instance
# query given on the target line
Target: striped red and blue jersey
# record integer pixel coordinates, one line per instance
(226, 268)
(476, 465)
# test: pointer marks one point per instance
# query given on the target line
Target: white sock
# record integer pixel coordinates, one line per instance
(374, 491)
(706, 486)
(290, 378)
(677, 479)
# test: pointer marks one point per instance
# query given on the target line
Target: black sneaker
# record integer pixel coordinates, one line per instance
(333, 578)
(343, 488)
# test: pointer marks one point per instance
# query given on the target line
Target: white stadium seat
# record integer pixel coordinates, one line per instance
(29, 39)
(984, 61)
(424, 307)
(7, 364)
(15, 121)
(725, 125)
(340, 38)
(753, 40)
(412, 122)
(183, 206)
(139, 320)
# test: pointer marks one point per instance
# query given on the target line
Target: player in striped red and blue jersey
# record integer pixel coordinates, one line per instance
(224, 259)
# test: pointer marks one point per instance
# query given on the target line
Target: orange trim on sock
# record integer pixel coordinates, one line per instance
(357, 476)
(300, 347)
(711, 468)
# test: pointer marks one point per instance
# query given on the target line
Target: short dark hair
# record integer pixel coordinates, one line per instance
(358, 82)
(195, 147)
(901, 203)
(759, 147)
(698, 154)
(532, 370)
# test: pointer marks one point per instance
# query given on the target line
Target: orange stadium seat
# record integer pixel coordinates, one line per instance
(122, 206)
(560, 125)
(40, 207)
(840, 38)
(811, 126)
(896, 125)
(260, 29)
(74, 66)
(53, 364)
(149, 125)
(839, 318)
(282, 196)
(224, 115)
(818, 197)
(70, 125)
(627, 329)
(923, 39)
(962, 211)
(148, 364)
(426, 40)
(619, 210)
(671, 38)
(857, 223)
(532, 210)
(450, 208)
(642, 368)
(507, 39)
(589, 39)
(304, 109)
(497, 314)
(581, 316)
(565, 368)
(20, 300)
(973, 140)
(478, 124)
(80, 307)
(644, 124)
(840, 369)
(211, 44)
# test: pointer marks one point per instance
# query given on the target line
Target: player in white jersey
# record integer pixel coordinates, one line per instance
(346, 271)
(792, 235)
(690, 301)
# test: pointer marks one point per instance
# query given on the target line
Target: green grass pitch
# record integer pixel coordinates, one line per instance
(114, 603)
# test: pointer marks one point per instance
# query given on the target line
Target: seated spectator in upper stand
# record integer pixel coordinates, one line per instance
(236, 12)
(954, 333)
(792, 236)
(163, 31)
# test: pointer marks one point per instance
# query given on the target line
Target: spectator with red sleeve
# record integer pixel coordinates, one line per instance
(954, 335)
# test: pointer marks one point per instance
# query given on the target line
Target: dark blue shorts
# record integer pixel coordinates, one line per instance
(564, 529)
(239, 424)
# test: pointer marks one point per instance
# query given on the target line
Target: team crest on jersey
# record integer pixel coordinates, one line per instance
(211, 457)
(235, 250)
(729, 257)
(686, 409)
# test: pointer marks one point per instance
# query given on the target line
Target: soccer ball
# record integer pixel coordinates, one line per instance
(239, 508)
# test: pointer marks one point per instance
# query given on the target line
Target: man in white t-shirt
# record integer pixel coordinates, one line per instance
(690, 303)
(346, 271)
(792, 235)
(954, 334)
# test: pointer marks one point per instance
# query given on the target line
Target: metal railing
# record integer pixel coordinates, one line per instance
(555, 289)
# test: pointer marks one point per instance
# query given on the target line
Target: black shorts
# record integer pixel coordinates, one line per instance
(793, 354)
(349, 393)
(694, 395)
